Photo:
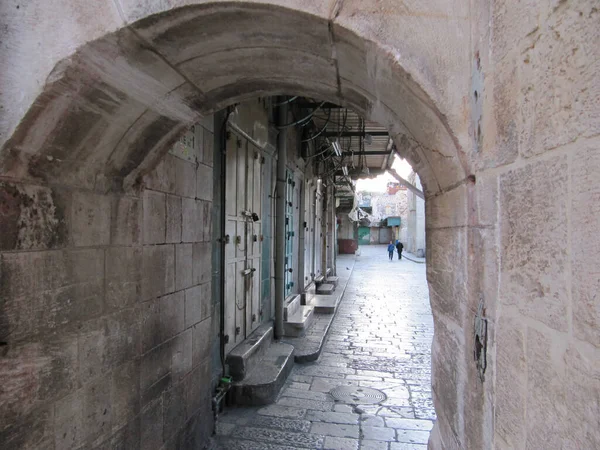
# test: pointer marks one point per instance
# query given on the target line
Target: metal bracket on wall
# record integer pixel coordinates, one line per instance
(480, 350)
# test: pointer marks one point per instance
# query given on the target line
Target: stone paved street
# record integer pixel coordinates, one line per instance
(380, 338)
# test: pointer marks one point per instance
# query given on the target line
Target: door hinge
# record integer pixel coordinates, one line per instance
(480, 331)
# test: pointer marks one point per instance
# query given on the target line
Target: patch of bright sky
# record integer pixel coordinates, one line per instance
(379, 183)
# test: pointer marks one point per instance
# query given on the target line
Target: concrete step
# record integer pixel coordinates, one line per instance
(309, 293)
(325, 289)
(319, 280)
(262, 384)
(325, 304)
(297, 323)
(291, 306)
(333, 280)
(247, 355)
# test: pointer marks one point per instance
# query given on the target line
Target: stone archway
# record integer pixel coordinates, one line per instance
(94, 94)
(108, 112)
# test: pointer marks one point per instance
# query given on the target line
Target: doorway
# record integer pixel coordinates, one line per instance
(243, 242)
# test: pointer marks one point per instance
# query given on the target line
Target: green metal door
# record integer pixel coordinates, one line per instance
(364, 235)
(289, 233)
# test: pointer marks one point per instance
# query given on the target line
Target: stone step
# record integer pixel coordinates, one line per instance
(333, 280)
(243, 358)
(262, 384)
(325, 304)
(297, 323)
(319, 280)
(325, 289)
(309, 293)
(291, 306)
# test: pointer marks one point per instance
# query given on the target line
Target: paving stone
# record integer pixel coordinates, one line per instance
(306, 394)
(405, 446)
(225, 428)
(343, 408)
(372, 421)
(305, 404)
(409, 424)
(296, 385)
(282, 411)
(340, 443)
(367, 444)
(324, 371)
(406, 412)
(235, 444)
(334, 429)
(327, 384)
(363, 378)
(279, 423)
(332, 417)
(301, 378)
(378, 433)
(412, 436)
(305, 440)
(238, 416)
(374, 373)
(425, 413)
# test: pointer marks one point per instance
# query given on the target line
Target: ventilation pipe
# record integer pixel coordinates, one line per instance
(280, 219)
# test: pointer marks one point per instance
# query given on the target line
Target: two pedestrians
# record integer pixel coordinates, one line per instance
(398, 247)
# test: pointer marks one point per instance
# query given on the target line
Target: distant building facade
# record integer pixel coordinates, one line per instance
(415, 229)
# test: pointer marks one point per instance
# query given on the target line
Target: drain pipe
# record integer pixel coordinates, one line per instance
(280, 220)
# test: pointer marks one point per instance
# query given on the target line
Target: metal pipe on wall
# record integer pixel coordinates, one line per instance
(324, 221)
(333, 245)
(280, 220)
(219, 220)
(302, 238)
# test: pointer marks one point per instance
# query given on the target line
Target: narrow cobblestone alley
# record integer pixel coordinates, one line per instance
(380, 339)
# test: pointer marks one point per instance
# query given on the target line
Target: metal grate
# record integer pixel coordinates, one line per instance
(357, 395)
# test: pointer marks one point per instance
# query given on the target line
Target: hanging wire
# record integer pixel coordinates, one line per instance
(290, 100)
(326, 147)
(303, 120)
(336, 168)
(320, 131)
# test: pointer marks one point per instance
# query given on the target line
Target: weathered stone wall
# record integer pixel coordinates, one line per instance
(536, 197)
(107, 310)
(385, 205)
(494, 103)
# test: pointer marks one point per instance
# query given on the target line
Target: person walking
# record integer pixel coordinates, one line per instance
(399, 248)
(391, 250)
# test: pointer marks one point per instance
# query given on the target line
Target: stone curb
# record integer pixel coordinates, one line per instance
(309, 357)
(414, 260)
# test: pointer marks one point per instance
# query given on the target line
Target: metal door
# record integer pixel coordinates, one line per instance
(243, 187)
(309, 223)
(318, 241)
(385, 235)
(364, 235)
(289, 233)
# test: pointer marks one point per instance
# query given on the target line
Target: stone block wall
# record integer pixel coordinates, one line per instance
(106, 313)
(522, 243)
